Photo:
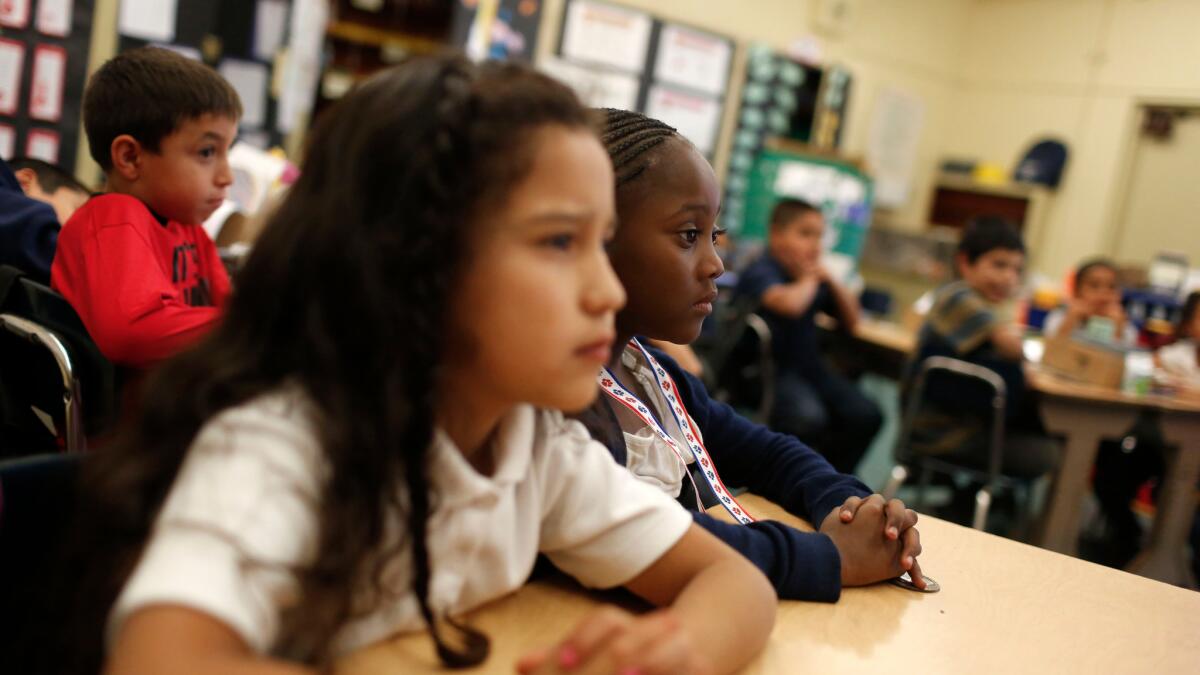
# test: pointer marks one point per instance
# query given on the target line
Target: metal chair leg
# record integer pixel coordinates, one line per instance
(983, 502)
(1023, 527)
(896, 479)
(923, 487)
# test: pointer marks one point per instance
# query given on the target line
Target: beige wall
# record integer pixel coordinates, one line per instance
(1156, 214)
(995, 75)
(912, 45)
(103, 46)
(1076, 69)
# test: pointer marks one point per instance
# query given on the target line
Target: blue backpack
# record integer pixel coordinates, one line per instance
(1043, 163)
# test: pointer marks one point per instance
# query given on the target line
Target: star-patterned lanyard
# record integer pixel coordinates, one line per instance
(612, 387)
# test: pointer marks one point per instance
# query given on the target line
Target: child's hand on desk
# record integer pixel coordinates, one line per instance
(612, 640)
(877, 540)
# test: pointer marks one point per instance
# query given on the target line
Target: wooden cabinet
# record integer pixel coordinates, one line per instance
(956, 200)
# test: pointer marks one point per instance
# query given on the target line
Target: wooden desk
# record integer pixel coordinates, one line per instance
(1084, 414)
(879, 346)
(1005, 607)
(887, 334)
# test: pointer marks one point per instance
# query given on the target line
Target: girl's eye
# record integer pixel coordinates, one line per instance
(561, 242)
(690, 236)
(717, 232)
(208, 153)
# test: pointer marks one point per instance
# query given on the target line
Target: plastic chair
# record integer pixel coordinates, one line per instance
(50, 367)
(37, 502)
(908, 455)
(741, 357)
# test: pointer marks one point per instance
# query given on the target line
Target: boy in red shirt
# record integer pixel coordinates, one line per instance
(135, 263)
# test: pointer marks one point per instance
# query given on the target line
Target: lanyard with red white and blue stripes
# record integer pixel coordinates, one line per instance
(612, 387)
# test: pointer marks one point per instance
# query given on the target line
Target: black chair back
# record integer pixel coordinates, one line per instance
(50, 371)
(37, 503)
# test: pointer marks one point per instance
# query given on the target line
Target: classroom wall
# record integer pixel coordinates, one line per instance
(103, 47)
(1076, 69)
(912, 45)
(1156, 215)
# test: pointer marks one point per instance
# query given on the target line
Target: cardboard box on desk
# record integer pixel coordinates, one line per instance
(1086, 361)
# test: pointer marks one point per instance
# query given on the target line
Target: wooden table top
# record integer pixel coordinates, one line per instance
(888, 334)
(880, 332)
(1005, 607)
(1052, 384)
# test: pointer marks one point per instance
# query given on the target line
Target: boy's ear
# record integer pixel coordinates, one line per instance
(27, 178)
(126, 155)
(961, 263)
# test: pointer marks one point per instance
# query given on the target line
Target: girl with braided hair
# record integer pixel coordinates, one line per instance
(364, 445)
(658, 421)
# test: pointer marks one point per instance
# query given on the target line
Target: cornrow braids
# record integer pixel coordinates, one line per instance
(627, 137)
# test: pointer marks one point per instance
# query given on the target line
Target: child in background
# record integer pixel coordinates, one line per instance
(789, 286)
(1121, 466)
(36, 198)
(1095, 294)
(358, 452)
(135, 263)
(964, 323)
(667, 431)
(1181, 360)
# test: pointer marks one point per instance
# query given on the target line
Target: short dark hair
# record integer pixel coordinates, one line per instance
(788, 210)
(1092, 264)
(988, 233)
(51, 178)
(148, 93)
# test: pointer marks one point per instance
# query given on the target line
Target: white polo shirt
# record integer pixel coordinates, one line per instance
(243, 511)
(647, 456)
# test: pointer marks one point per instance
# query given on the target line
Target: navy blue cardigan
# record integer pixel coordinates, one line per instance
(28, 229)
(801, 565)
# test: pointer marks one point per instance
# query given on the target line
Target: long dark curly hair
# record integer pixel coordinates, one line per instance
(345, 294)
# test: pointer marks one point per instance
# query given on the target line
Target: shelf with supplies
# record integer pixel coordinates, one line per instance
(958, 199)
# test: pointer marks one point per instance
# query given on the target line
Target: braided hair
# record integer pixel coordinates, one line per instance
(628, 136)
(344, 295)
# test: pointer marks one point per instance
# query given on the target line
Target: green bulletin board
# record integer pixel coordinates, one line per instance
(842, 191)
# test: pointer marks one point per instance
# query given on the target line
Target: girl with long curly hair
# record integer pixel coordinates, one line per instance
(367, 444)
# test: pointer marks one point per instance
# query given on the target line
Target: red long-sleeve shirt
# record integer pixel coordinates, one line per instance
(144, 289)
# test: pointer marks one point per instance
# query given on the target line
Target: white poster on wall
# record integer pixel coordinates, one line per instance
(42, 144)
(692, 59)
(46, 91)
(896, 125)
(150, 20)
(597, 88)
(54, 17)
(249, 79)
(606, 34)
(270, 24)
(696, 117)
(302, 65)
(8, 141)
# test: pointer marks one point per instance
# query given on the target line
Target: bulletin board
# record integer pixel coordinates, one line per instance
(785, 98)
(43, 64)
(240, 38)
(511, 32)
(620, 57)
(842, 192)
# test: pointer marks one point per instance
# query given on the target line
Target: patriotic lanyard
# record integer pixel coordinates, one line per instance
(612, 387)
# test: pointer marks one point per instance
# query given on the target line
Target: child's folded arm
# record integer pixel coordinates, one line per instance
(800, 565)
(774, 465)
(725, 605)
(129, 305)
(167, 638)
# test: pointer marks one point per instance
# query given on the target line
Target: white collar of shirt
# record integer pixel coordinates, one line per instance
(456, 481)
(635, 362)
